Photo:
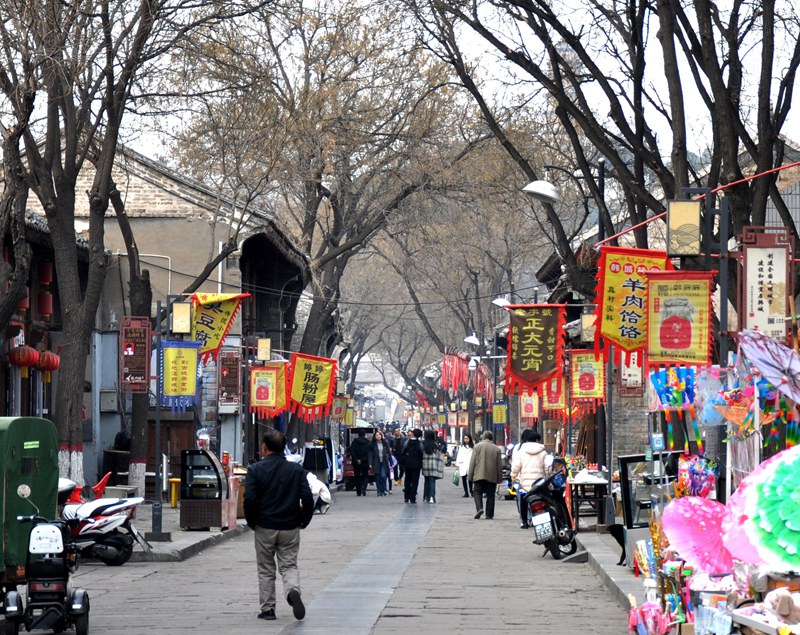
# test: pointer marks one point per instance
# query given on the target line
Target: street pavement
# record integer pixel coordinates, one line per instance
(371, 565)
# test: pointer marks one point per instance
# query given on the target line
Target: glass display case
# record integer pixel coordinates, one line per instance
(643, 479)
(204, 491)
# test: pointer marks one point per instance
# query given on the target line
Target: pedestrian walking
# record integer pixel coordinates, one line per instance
(398, 443)
(359, 455)
(379, 453)
(277, 504)
(412, 460)
(485, 472)
(393, 465)
(528, 465)
(462, 463)
(432, 466)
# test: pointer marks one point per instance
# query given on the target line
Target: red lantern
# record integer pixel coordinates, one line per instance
(23, 357)
(48, 362)
(45, 304)
(45, 272)
(25, 303)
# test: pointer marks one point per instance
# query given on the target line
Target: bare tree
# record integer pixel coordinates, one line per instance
(612, 98)
(75, 66)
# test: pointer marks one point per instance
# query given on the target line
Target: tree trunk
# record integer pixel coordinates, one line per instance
(69, 398)
(141, 297)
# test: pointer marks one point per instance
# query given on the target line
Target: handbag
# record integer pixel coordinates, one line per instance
(456, 478)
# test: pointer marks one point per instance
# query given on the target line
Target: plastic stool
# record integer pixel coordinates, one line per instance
(174, 489)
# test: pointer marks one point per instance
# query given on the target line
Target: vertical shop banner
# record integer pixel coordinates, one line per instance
(339, 409)
(229, 382)
(452, 419)
(312, 384)
(499, 413)
(536, 346)
(350, 417)
(767, 290)
(178, 373)
(134, 354)
(588, 378)
(679, 317)
(631, 376)
(213, 316)
(529, 406)
(463, 420)
(555, 394)
(268, 389)
(621, 297)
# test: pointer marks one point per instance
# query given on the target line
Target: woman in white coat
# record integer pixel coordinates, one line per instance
(529, 464)
(462, 463)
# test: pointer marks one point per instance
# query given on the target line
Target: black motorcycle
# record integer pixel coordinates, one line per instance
(549, 516)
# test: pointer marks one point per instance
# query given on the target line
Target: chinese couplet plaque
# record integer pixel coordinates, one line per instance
(621, 297)
(313, 382)
(679, 308)
(179, 362)
(134, 354)
(536, 346)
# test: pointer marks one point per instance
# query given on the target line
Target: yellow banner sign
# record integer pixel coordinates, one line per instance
(679, 307)
(621, 296)
(312, 385)
(179, 361)
(499, 413)
(588, 376)
(268, 389)
(213, 315)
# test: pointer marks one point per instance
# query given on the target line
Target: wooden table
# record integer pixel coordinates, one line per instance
(582, 494)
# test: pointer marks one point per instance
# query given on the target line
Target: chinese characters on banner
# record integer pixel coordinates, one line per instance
(554, 401)
(621, 297)
(588, 379)
(529, 406)
(339, 409)
(499, 413)
(536, 346)
(313, 383)
(229, 383)
(463, 419)
(767, 282)
(134, 364)
(213, 315)
(268, 389)
(452, 419)
(178, 374)
(679, 306)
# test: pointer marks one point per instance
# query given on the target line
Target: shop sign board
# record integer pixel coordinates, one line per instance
(134, 354)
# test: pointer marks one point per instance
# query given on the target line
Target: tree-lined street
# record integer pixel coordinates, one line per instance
(371, 565)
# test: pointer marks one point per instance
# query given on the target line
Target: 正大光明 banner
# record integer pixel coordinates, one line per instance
(213, 315)
(535, 346)
(312, 384)
(178, 373)
(621, 297)
(588, 378)
(268, 389)
(679, 317)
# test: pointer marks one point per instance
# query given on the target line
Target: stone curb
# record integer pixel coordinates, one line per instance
(165, 554)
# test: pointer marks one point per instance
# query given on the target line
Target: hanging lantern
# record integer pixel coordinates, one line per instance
(45, 304)
(48, 362)
(45, 272)
(25, 303)
(23, 357)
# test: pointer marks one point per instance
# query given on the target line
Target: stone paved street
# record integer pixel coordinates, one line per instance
(371, 565)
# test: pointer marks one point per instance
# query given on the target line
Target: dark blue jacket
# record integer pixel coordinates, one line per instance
(273, 492)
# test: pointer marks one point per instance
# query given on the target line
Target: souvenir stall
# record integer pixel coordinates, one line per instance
(714, 568)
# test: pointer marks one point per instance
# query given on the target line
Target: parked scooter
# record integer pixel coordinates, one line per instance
(52, 602)
(550, 517)
(105, 527)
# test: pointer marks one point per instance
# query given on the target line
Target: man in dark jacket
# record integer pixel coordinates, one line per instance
(274, 491)
(412, 461)
(359, 455)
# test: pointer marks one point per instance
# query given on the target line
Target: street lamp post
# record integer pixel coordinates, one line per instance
(545, 192)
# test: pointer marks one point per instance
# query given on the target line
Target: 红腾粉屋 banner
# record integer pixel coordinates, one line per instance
(312, 385)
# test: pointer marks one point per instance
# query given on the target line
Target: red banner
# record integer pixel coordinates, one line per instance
(621, 297)
(268, 396)
(588, 379)
(536, 346)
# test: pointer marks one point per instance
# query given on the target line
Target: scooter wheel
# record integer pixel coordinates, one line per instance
(12, 627)
(82, 624)
(126, 549)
